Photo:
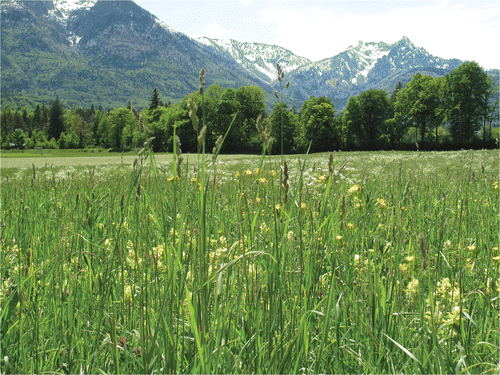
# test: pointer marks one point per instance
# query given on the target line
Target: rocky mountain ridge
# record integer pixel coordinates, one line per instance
(114, 51)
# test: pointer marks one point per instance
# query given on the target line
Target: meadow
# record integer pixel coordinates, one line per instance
(350, 262)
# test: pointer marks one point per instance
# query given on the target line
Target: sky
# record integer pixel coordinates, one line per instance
(466, 30)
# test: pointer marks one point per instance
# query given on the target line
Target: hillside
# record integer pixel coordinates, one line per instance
(111, 52)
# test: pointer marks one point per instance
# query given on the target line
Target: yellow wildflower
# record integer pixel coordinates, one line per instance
(355, 189)
(410, 259)
(403, 267)
(472, 247)
(322, 179)
(382, 203)
(263, 181)
(237, 175)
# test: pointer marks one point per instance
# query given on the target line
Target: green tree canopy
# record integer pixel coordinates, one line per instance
(375, 109)
(119, 119)
(467, 100)
(317, 125)
(282, 119)
(420, 100)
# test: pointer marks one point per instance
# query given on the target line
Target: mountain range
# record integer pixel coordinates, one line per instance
(111, 52)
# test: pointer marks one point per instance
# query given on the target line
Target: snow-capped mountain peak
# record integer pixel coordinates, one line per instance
(258, 58)
(69, 6)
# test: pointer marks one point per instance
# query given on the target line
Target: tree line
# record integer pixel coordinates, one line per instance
(458, 110)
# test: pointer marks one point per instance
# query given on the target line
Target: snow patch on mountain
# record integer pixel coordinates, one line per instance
(368, 54)
(69, 6)
(258, 58)
(66, 7)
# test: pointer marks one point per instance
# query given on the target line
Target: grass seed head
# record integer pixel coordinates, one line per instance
(138, 351)
(202, 80)
(330, 163)
(193, 113)
(122, 341)
(203, 133)
(286, 184)
(218, 142)
(178, 151)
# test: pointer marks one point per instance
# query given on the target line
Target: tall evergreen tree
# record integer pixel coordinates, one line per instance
(394, 95)
(45, 119)
(7, 123)
(155, 100)
(56, 124)
(37, 118)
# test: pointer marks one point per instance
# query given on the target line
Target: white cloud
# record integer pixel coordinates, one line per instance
(215, 31)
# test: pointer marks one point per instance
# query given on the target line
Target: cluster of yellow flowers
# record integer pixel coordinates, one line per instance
(354, 190)
(382, 203)
(448, 308)
(323, 179)
(412, 290)
(250, 175)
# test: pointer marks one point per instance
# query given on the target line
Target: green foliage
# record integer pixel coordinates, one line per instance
(51, 144)
(121, 124)
(353, 123)
(367, 120)
(282, 116)
(56, 123)
(467, 100)
(430, 111)
(18, 138)
(317, 125)
(420, 100)
(155, 101)
(389, 265)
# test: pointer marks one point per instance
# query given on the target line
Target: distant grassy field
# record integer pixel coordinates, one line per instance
(376, 262)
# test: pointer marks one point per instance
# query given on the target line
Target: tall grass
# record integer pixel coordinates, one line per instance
(388, 263)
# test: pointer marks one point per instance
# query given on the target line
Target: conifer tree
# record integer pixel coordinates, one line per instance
(56, 125)
(155, 100)
(37, 118)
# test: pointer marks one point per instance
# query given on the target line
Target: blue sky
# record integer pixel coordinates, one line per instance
(467, 30)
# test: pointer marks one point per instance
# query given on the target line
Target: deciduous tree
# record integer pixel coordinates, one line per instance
(467, 100)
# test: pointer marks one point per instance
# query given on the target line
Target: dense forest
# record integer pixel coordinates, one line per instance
(455, 111)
